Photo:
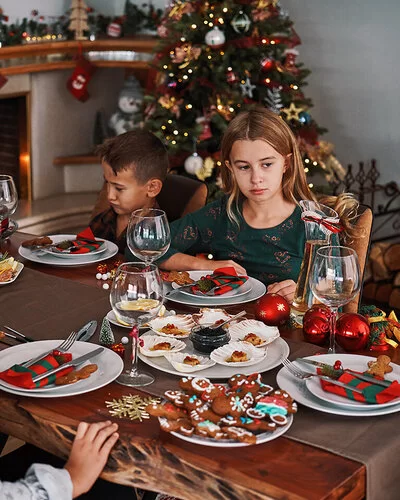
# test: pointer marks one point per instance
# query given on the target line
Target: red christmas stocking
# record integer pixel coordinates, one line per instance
(77, 82)
(3, 80)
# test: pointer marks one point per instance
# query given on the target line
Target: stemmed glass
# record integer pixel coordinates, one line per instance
(136, 297)
(8, 193)
(148, 234)
(335, 281)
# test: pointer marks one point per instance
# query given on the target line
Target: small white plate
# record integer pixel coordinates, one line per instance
(112, 318)
(70, 255)
(150, 341)
(254, 355)
(266, 333)
(176, 360)
(17, 272)
(184, 322)
(196, 275)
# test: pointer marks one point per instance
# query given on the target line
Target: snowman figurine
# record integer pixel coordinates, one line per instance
(129, 113)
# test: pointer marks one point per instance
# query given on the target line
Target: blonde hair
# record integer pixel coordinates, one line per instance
(261, 124)
(346, 207)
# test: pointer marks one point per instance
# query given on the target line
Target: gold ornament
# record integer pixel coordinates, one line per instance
(292, 112)
(170, 103)
(131, 406)
(179, 9)
(206, 170)
(184, 54)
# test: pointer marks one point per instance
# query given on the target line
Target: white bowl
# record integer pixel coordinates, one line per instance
(254, 355)
(176, 360)
(267, 333)
(150, 340)
(182, 321)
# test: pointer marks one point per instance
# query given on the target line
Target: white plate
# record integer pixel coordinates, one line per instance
(354, 362)
(276, 351)
(109, 364)
(299, 392)
(267, 333)
(254, 355)
(196, 275)
(258, 289)
(44, 258)
(182, 321)
(113, 319)
(150, 340)
(264, 437)
(18, 270)
(68, 255)
(176, 360)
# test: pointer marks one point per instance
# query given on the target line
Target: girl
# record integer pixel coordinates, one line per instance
(257, 226)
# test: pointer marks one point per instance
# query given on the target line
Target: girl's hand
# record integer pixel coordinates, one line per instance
(216, 264)
(89, 454)
(285, 288)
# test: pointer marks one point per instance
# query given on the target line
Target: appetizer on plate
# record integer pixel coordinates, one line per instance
(9, 269)
(238, 354)
(254, 332)
(189, 363)
(178, 326)
(154, 345)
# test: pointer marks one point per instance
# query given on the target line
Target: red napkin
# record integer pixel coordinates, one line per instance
(22, 377)
(85, 242)
(372, 394)
(225, 278)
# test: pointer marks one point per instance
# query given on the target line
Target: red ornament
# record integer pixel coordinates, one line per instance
(231, 77)
(102, 268)
(114, 30)
(352, 332)
(316, 324)
(267, 63)
(116, 264)
(118, 348)
(272, 309)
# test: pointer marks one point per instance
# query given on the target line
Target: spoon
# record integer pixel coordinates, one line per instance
(215, 326)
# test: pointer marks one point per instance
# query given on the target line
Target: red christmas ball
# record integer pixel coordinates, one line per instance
(272, 309)
(316, 324)
(352, 332)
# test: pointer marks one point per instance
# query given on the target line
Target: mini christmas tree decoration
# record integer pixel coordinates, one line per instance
(78, 19)
(106, 336)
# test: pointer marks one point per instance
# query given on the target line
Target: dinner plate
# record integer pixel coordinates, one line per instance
(354, 362)
(109, 364)
(196, 275)
(18, 270)
(113, 319)
(276, 351)
(12, 227)
(87, 258)
(68, 255)
(257, 290)
(263, 437)
(299, 392)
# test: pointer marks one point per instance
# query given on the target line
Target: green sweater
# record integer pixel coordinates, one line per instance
(270, 255)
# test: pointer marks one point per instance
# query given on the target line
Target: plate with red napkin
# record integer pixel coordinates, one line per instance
(373, 396)
(18, 380)
(83, 243)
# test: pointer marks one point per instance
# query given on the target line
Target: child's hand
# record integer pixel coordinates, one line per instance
(215, 264)
(89, 454)
(285, 288)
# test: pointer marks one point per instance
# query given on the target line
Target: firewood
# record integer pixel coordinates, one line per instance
(369, 290)
(394, 300)
(391, 257)
(383, 292)
(379, 270)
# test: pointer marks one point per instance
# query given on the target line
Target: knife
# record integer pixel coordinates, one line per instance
(87, 331)
(25, 337)
(360, 376)
(74, 362)
(20, 339)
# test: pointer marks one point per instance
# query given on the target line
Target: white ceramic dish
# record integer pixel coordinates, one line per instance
(52, 260)
(69, 255)
(264, 437)
(209, 316)
(113, 319)
(196, 275)
(149, 341)
(266, 333)
(109, 364)
(17, 272)
(176, 360)
(354, 362)
(276, 351)
(184, 322)
(223, 353)
(299, 392)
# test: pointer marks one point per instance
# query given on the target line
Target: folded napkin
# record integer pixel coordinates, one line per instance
(22, 377)
(224, 278)
(85, 242)
(372, 394)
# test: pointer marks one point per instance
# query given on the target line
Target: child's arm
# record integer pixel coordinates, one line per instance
(285, 288)
(183, 262)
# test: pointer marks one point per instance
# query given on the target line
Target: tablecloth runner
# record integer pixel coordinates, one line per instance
(48, 307)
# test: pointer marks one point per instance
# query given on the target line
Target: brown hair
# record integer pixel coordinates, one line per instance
(261, 124)
(138, 150)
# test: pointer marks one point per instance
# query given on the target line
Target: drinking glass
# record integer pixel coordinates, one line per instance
(8, 193)
(335, 281)
(136, 297)
(148, 234)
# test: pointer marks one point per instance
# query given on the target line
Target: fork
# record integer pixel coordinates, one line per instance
(302, 375)
(63, 347)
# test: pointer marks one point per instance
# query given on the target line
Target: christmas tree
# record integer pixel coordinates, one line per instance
(78, 18)
(217, 58)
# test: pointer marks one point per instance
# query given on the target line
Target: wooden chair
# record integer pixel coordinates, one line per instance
(178, 197)
(361, 246)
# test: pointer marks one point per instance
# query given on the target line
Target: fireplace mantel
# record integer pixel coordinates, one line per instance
(50, 56)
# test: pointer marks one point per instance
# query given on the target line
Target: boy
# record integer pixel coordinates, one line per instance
(135, 165)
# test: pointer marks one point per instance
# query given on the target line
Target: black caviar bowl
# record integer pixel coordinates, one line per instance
(205, 339)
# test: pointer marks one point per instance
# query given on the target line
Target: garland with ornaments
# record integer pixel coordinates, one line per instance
(217, 58)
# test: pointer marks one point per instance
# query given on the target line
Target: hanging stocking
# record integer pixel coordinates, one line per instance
(77, 82)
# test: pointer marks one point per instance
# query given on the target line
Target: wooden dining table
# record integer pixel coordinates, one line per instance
(149, 458)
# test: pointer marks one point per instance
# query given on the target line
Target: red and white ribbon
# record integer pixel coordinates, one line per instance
(331, 223)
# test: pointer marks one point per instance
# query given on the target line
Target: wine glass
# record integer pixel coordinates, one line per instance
(8, 193)
(136, 297)
(335, 281)
(148, 234)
